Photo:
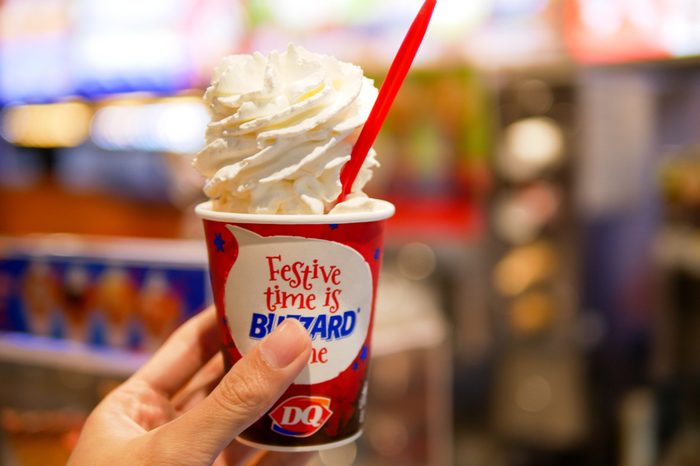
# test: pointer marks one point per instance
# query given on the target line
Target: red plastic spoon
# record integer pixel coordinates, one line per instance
(392, 84)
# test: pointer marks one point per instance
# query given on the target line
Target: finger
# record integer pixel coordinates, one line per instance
(277, 458)
(200, 385)
(244, 394)
(183, 354)
(236, 454)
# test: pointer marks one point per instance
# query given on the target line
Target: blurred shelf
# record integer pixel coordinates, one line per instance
(421, 332)
(424, 332)
(679, 247)
(47, 208)
(68, 355)
(108, 249)
(435, 219)
(25, 349)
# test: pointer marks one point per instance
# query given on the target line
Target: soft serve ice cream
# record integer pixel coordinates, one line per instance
(283, 126)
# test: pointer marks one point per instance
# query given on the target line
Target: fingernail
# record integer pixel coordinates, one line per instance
(284, 344)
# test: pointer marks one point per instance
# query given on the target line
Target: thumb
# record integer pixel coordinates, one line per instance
(245, 393)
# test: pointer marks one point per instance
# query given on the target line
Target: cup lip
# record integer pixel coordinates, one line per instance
(383, 211)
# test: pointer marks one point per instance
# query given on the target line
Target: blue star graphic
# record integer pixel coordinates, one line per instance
(334, 226)
(219, 242)
(364, 353)
(377, 253)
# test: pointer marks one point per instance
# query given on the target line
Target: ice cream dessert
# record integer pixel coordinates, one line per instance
(159, 309)
(115, 297)
(40, 297)
(77, 297)
(283, 126)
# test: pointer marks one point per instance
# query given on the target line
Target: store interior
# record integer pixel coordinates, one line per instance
(538, 296)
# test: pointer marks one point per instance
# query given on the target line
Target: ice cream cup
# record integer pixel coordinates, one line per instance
(321, 270)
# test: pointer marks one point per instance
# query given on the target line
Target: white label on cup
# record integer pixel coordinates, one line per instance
(326, 285)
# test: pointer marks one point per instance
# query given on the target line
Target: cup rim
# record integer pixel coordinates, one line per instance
(382, 211)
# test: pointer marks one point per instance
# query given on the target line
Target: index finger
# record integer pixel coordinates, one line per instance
(182, 355)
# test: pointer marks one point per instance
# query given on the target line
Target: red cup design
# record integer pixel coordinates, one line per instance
(321, 270)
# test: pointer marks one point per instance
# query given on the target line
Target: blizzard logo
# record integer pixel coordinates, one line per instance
(301, 416)
(326, 327)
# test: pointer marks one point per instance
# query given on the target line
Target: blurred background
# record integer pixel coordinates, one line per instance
(540, 299)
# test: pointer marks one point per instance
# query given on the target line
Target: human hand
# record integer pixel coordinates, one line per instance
(180, 408)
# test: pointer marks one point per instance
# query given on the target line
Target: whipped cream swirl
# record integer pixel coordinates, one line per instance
(283, 126)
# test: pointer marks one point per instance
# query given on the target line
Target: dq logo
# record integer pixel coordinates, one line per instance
(301, 416)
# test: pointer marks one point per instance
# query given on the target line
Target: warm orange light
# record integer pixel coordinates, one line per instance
(523, 267)
(531, 312)
(51, 125)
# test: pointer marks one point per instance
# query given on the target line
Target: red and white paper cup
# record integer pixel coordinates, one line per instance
(321, 270)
